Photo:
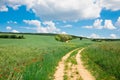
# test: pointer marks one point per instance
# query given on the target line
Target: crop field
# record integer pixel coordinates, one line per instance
(103, 60)
(33, 58)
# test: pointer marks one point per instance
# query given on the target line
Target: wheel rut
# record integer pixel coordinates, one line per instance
(73, 71)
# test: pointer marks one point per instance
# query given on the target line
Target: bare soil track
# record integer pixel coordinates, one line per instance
(82, 71)
(59, 73)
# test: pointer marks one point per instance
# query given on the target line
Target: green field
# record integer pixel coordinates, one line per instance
(33, 58)
(103, 60)
(36, 57)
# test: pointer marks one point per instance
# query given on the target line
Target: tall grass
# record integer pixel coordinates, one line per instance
(33, 58)
(103, 60)
(44, 69)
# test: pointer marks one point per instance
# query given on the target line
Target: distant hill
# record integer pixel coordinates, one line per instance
(46, 34)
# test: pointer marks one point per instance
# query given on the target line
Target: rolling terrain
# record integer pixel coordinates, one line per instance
(34, 57)
(37, 56)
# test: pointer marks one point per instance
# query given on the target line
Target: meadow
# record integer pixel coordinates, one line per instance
(33, 58)
(36, 57)
(103, 60)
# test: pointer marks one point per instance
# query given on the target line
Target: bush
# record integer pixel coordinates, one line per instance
(81, 38)
(4, 36)
(63, 37)
(12, 36)
(21, 37)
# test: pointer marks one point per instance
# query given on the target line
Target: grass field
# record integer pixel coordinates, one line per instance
(103, 60)
(33, 58)
(36, 57)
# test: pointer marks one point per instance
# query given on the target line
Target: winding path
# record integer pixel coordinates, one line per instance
(81, 69)
(85, 75)
(59, 73)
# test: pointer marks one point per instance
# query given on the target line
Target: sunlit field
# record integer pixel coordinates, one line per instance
(103, 60)
(59, 39)
(33, 58)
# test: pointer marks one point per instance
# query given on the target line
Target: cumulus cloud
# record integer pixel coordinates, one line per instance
(8, 28)
(98, 25)
(113, 36)
(15, 31)
(63, 9)
(15, 7)
(67, 9)
(3, 8)
(118, 22)
(58, 9)
(43, 27)
(49, 27)
(108, 25)
(113, 5)
(12, 30)
(33, 22)
(93, 35)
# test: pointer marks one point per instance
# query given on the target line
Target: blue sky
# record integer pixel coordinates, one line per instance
(89, 18)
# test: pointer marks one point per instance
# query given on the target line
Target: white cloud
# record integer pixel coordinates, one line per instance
(68, 26)
(3, 8)
(88, 27)
(28, 28)
(66, 9)
(63, 9)
(15, 31)
(8, 28)
(108, 25)
(111, 4)
(11, 22)
(113, 36)
(15, 7)
(97, 24)
(93, 35)
(118, 22)
(50, 27)
(43, 27)
(33, 22)
(63, 33)
(59, 9)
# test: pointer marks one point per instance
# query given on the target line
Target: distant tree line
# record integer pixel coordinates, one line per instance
(12, 36)
(100, 40)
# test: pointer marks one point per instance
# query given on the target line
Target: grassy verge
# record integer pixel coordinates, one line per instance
(44, 70)
(72, 58)
(103, 60)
